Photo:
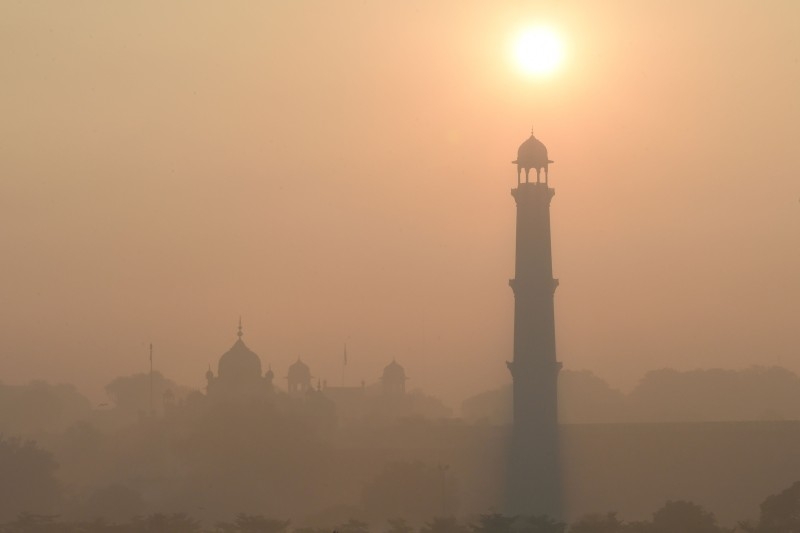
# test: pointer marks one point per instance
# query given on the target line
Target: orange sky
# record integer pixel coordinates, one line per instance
(341, 170)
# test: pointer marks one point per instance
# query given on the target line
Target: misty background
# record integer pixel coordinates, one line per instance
(340, 172)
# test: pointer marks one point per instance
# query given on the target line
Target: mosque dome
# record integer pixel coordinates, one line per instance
(239, 362)
(532, 154)
(394, 372)
(299, 371)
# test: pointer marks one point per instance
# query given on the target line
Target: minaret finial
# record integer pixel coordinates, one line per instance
(239, 333)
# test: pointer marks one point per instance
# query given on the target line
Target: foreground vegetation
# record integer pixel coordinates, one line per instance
(780, 513)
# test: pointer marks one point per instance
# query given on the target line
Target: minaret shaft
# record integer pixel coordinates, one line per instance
(535, 483)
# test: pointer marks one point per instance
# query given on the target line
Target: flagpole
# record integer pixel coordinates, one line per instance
(152, 411)
(344, 362)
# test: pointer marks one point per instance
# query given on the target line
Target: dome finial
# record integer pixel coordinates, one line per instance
(239, 333)
(531, 130)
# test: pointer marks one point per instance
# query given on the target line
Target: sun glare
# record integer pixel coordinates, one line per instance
(538, 51)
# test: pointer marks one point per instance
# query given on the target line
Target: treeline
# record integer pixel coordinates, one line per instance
(780, 513)
(40, 408)
(666, 395)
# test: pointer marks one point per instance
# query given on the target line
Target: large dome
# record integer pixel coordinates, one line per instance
(239, 362)
(394, 372)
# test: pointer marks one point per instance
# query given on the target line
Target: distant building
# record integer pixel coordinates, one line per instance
(352, 402)
(394, 379)
(239, 374)
(239, 378)
(299, 378)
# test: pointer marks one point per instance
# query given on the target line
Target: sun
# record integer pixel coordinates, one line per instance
(538, 51)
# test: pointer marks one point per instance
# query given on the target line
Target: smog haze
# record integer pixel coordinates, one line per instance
(340, 172)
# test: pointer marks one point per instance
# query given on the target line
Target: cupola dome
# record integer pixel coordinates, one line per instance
(239, 362)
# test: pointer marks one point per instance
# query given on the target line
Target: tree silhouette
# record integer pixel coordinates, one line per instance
(780, 513)
(353, 526)
(597, 523)
(165, 523)
(313, 530)
(27, 480)
(441, 524)
(399, 525)
(245, 523)
(540, 524)
(494, 523)
(416, 491)
(117, 503)
(684, 517)
(638, 527)
(40, 406)
(131, 394)
(32, 523)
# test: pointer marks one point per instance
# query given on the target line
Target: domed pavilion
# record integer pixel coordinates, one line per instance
(394, 378)
(532, 154)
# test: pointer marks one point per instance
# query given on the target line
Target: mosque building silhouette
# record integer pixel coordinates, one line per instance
(240, 378)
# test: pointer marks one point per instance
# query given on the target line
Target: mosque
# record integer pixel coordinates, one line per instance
(240, 377)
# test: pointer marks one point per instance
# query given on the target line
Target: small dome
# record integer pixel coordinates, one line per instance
(299, 371)
(209, 374)
(532, 154)
(239, 362)
(270, 374)
(393, 372)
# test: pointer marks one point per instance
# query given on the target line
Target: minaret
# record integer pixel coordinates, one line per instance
(534, 485)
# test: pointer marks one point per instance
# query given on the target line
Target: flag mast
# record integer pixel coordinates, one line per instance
(152, 410)
(344, 362)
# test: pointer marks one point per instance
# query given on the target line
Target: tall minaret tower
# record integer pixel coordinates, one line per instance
(534, 485)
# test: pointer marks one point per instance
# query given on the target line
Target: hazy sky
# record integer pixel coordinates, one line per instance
(341, 170)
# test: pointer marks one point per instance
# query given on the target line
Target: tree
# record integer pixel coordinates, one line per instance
(165, 523)
(494, 523)
(684, 517)
(441, 524)
(40, 406)
(597, 523)
(245, 523)
(33, 523)
(353, 526)
(117, 503)
(541, 524)
(313, 530)
(131, 394)
(416, 491)
(27, 479)
(780, 513)
(639, 527)
(399, 525)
